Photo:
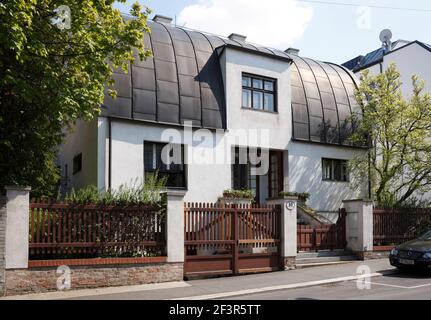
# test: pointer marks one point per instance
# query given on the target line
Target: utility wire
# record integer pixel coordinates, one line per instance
(364, 5)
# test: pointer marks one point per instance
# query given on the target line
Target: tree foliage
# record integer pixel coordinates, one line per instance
(398, 130)
(50, 77)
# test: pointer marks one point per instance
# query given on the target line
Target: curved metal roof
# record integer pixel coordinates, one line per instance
(183, 82)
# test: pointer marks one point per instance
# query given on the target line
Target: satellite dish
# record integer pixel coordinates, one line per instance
(386, 36)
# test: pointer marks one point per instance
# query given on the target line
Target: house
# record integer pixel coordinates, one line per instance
(215, 99)
(410, 57)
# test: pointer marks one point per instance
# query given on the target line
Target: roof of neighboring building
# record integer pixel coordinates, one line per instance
(363, 62)
(183, 82)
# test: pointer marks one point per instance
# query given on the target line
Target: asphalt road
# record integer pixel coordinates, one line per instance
(399, 286)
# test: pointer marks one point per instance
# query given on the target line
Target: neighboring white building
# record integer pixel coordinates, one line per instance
(410, 57)
(235, 95)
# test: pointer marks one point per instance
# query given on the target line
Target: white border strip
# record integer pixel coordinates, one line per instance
(278, 288)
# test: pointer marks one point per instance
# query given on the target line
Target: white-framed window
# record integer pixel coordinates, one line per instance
(335, 170)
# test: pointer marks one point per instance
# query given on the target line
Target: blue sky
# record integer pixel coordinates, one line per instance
(321, 31)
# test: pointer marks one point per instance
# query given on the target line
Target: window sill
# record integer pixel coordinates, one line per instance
(260, 110)
(335, 181)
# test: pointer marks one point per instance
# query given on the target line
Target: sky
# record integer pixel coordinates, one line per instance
(334, 33)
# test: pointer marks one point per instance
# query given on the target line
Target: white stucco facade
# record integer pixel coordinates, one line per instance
(115, 147)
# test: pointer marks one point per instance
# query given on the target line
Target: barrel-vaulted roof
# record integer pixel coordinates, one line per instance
(183, 82)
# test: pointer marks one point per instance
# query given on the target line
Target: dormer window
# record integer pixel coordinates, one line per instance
(258, 93)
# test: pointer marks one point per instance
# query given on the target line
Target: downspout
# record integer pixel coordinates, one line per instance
(109, 153)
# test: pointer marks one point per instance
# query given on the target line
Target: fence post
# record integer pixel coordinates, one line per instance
(289, 248)
(3, 201)
(17, 227)
(175, 226)
(359, 226)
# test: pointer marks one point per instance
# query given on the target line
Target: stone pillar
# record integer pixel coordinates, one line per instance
(175, 226)
(17, 227)
(3, 201)
(288, 230)
(359, 226)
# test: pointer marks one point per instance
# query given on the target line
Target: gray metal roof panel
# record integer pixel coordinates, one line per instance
(183, 82)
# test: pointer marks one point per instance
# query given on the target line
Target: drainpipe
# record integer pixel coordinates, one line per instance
(109, 153)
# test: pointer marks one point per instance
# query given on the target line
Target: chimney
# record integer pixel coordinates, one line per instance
(237, 37)
(292, 51)
(162, 19)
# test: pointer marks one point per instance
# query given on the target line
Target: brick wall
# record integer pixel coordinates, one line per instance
(2, 242)
(82, 277)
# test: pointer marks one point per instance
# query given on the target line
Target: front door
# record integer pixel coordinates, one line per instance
(267, 185)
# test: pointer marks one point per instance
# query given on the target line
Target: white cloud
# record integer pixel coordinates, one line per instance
(274, 23)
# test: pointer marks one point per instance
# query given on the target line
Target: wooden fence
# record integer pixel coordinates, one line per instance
(395, 226)
(323, 237)
(231, 239)
(67, 231)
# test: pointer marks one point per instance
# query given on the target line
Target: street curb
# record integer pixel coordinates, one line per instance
(100, 291)
(288, 286)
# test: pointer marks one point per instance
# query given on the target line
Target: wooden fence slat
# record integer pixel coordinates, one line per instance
(60, 230)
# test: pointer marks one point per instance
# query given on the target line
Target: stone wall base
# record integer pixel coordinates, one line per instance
(21, 281)
(289, 263)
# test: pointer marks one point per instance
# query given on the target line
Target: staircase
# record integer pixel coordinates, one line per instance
(323, 258)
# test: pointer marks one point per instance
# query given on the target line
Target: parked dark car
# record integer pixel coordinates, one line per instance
(415, 253)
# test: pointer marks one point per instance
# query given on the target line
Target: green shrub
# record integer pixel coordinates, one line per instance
(303, 195)
(138, 193)
(238, 194)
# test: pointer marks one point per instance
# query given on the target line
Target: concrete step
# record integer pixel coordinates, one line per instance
(301, 261)
(323, 254)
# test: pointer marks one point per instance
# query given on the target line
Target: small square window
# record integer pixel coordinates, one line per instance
(77, 163)
(259, 93)
(335, 170)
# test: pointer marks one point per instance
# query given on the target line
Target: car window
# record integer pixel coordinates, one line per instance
(426, 236)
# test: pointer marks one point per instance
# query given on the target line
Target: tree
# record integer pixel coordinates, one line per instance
(398, 131)
(51, 76)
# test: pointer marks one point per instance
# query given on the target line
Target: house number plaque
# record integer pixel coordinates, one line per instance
(290, 205)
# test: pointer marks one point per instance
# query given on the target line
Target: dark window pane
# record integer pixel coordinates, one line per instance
(258, 84)
(175, 172)
(269, 102)
(327, 169)
(246, 98)
(257, 100)
(269, 86)
(246, 81)
(77, 163)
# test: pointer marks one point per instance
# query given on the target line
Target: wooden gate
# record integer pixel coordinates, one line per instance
(221, 240)
(323, 237)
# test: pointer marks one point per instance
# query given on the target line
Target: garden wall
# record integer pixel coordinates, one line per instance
(44, 279)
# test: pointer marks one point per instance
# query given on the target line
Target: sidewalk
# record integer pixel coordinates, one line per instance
(225, 287)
